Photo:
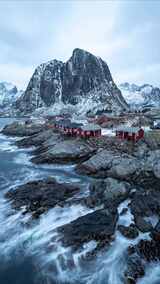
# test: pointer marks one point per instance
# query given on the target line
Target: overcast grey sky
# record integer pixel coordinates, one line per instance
(126, 34)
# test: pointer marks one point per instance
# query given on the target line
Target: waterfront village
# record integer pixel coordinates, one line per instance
(115, 160)
(131, 126)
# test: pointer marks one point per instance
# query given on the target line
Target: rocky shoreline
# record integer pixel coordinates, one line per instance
(119, 170)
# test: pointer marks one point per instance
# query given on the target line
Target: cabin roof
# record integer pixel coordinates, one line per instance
(68, 123)
(91, 127)
(63, 122)
(76, 125)
(128, 129)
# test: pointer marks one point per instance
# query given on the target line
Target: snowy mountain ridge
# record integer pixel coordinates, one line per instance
(8, 94)
(83, 83)
(140, 96)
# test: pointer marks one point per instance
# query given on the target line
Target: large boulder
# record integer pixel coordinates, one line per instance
(65, 151)
(51, 141)
(143, 170)
(145, 206)
(145, 251)
(39, 196)
(22, 129)
(134, 270)
(99, 226)
(98, 164)
(36, 139)
(156, 232)
(130, 232)
(108, 163)
(156, 169)
(107, 191)
(149, 250)
(125, 167)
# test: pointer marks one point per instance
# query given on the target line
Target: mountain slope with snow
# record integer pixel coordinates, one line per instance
(84, 83)
(140, 96)
(8, 94)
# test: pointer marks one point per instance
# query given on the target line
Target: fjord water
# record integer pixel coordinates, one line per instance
(17, 256)
(30, 251)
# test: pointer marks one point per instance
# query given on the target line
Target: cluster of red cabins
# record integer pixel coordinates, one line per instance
(130, 133)
(78, 129)
(94, 130)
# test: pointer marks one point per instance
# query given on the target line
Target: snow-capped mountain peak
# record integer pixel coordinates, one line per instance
(83, 80)
(8, 94)
(9, 87)
(140, 96)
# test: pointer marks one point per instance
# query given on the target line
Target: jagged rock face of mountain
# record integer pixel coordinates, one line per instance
(83, 80)
(8, 94)
(140, 96)
(82, 74)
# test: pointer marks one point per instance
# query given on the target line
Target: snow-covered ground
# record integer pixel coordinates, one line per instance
(108, 132)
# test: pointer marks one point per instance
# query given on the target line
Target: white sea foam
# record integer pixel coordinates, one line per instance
(19, 234)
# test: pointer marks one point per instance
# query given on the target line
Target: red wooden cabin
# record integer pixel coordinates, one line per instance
(91, 130)
(130, 133)
(78, 129)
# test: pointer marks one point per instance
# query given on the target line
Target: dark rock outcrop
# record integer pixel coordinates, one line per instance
(144, 206)
(146, 251)
(39, 196)
(141, 254)
(107, 191)
(36, 139)
(129, 232)
(21, 129)
(156, 232)
(99, 226)
(110, 163)
(135, 269)
(65, 151)
(143, 170)
(149, 250)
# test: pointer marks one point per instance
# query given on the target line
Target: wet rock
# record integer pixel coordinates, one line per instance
(36, 139)
(145, 203)
(125, 168)
(149, 176)
(108, 191)
(22, 129)
(156, 169)
(108, 163)
(143, 170)
(66, 151)
(143, 225)
(39, 196)
(134, 269)
(98, 164)
(124, 211)
(156, 232)
(129, 232)
(98, 225)
(149, 250)
(49, 142)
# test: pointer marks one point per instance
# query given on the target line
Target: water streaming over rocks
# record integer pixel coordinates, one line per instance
(31, 251)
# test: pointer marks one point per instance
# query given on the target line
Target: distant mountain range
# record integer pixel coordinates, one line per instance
(8, 95)
(145, 96)
(82, 84)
